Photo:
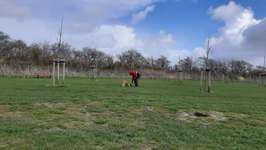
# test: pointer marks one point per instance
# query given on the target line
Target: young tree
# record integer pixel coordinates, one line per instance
(206, 72)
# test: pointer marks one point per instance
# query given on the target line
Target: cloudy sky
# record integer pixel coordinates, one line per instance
(173, 28)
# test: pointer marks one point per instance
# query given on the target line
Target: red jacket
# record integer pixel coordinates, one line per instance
(134, 75)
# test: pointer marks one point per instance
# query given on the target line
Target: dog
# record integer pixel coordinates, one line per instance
(125, 83)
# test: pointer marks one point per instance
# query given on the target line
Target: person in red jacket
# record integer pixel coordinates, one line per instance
(135, 77)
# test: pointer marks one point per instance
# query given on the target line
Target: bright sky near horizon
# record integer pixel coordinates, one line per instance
(173, 28)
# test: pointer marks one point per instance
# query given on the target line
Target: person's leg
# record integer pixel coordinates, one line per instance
(136, 83)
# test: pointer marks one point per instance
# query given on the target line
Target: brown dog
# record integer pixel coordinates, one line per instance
(125, 83)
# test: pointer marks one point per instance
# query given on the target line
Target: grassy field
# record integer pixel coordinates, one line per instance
(87, 114)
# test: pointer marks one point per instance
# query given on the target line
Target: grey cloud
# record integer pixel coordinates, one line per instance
(255, 37)
(13, 9)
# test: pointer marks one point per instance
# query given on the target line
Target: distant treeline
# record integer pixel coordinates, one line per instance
(16, 54)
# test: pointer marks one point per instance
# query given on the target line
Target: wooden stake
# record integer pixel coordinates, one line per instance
(53, 74)
(209, 83)
(64, 69)
(58, 70)
(201, 80)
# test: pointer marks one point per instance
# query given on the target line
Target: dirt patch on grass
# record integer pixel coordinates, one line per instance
(207, 117)
(76, 125)
(200, 115)
(149, 109)
(54, 129)
(77, 111)
(146, 147)
(136, 110)
(71, 115)
(145, 109)
(14, 143)
(56, 117)
(64, 109)
(53, 117)
(4, 108)
(50, 105)
(19, 117)
(95, 107)
(236, 115)
(12, 114)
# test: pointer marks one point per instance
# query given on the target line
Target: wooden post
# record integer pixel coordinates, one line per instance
(201, 81)
(204, 81)
(177, 75)
(58, 70)
(261, 78)
(209, 82)
(64, 69)
(96, 71)
(53, 74)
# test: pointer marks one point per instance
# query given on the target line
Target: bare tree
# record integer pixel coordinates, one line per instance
(206, 72)
(162, 63)
(186, 64)
(132, 58)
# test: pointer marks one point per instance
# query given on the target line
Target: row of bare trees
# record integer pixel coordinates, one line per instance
(16, 53)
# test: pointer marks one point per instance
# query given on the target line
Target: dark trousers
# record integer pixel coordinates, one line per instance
(135, 82)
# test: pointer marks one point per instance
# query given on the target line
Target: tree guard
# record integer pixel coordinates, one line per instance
(93, 73)
(58, 73)
(263, 79)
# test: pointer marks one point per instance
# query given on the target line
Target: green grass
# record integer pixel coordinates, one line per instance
(88, 114)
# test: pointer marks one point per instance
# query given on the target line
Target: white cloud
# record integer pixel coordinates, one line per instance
(113, 9)
(236, 18)
(136, 18)
(111, 38)
(240, 35)
(87, 25)
(82, 15)
(115, 39)
(84, 24)
(95, 23)
(161, 41)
